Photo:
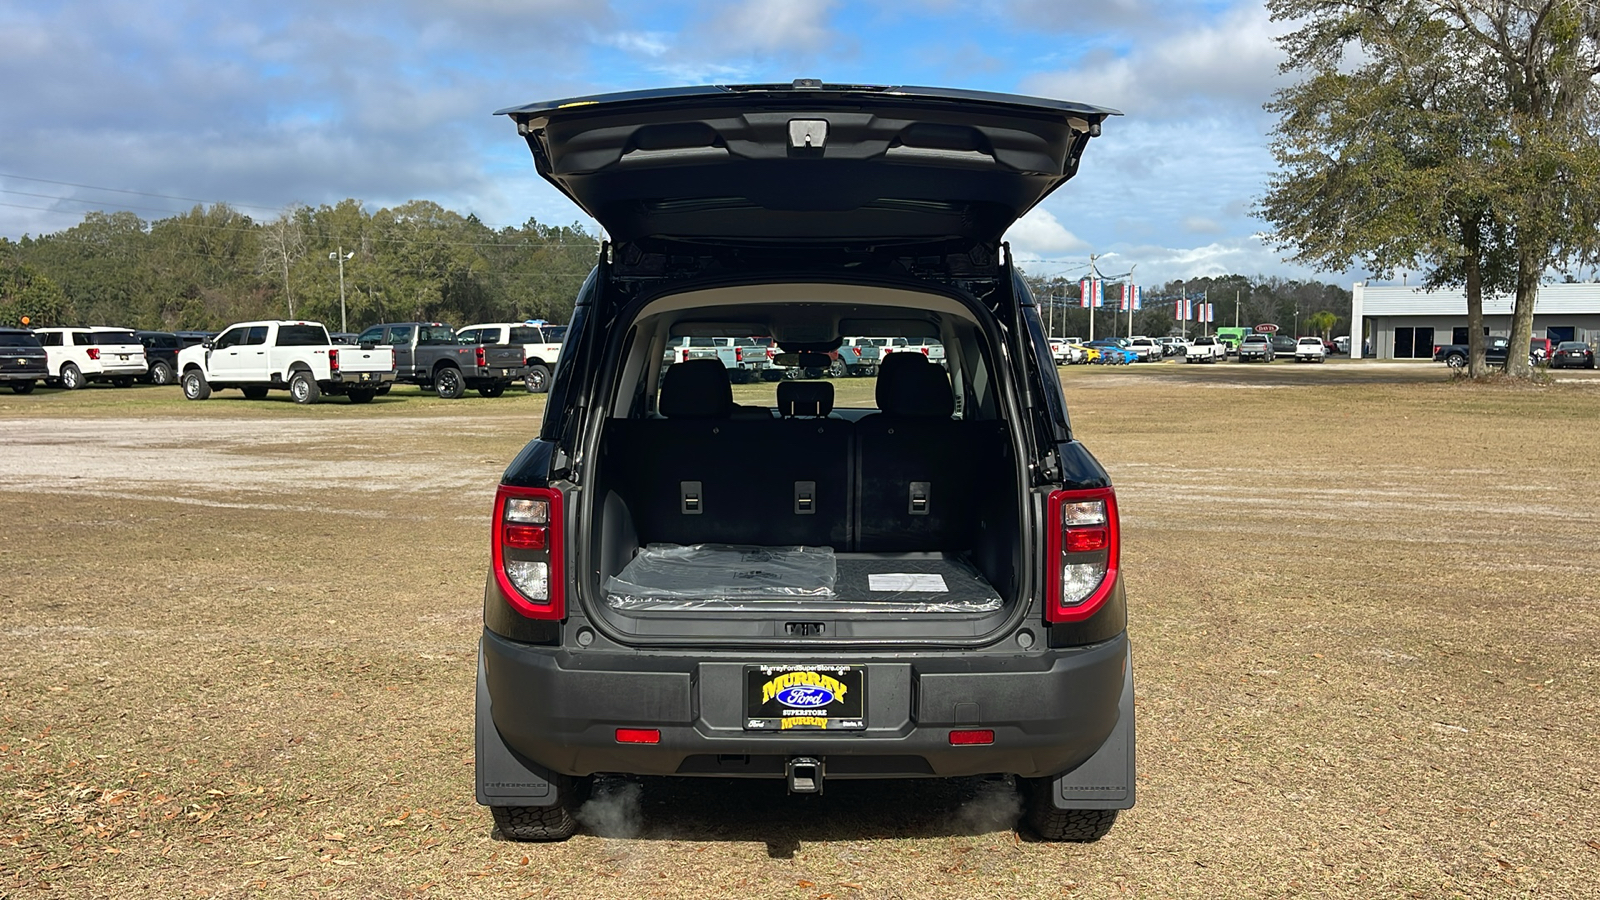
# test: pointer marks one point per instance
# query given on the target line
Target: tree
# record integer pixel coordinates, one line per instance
(1452, 136)
(29, 297)
(283, 243)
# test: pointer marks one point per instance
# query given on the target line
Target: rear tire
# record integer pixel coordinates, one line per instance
(838, 369)
(72, 378)
(1084, 826)
(384, 388)
(492, 391)
(303, 388)
(123, 382)
(22, 387)
(161, 373)
(255, 391)
(537, 380)
(544, 823)
(360, 395)
(448, 383)
(195, 386)
(1455, 361)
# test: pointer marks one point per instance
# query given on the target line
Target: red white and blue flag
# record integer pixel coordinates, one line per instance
(1208, 312)
(1091, 293)
(1132, 298)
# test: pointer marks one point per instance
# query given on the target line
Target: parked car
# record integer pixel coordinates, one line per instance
(928, 587)
(1146, 349)
(1173, 346)
(1342, 344)
(79, 356)
(349, 338)
(1067, 351)
(161, 354)
(23, 362)
(1310, 349)
(1110, 351)
(861, 356)
(932, 348)
(1207, 348)
(1256, 348)
(1572, 355)
(190, 338)
(428, 355)
(540, 341)
(1283, 345)
(296, 356)
(1541, 348)
(1495, 351)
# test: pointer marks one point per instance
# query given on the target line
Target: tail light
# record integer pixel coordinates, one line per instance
(924, 351)
(333, 359)
(738, 354)
(483, 357)
(94, 352)
(527, 550)
(771, 352)
(1082, 548)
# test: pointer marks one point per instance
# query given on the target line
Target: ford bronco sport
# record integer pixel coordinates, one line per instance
(927, 586)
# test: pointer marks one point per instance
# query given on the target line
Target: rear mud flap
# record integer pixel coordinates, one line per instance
(504, 778)
(1106, 780)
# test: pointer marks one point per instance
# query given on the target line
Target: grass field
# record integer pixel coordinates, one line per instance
(237, 645)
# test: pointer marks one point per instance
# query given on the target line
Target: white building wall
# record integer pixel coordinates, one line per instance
(1383, 309)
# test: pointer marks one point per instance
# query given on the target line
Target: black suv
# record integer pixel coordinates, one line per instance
(685, 586)
(23, 362)
(161, 351)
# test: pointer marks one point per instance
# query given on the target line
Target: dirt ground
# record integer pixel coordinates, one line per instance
(237, 649)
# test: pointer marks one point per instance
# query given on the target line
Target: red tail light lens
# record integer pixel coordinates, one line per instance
(483, 357)
(638, 735)
(527, 550)
(94, 352)
(1082, 553)
(738, 354)
(333, 359)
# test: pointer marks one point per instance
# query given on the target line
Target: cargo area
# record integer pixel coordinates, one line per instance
(907, 510)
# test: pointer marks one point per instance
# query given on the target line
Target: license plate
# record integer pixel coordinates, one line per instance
(122, 356)
(367, 376)
(805, 698)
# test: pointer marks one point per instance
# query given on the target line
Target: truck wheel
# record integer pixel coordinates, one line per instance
(544, 823)
(448, 383)
(195, 386)
(492, 390)
(360, 395)
(161, 373)
(837, 369)
(303, 388)
(384, 388)
(1052, 824)
(71, 378)
(122, 382)
(255, 391)
(537, 380)
(1455, 361)
(26, 387)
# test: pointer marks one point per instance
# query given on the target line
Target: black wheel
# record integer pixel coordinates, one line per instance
(360, 395)
(161, 373)
(537, 380)
(195, 386)
(1051, 824)
(22, 387)
(837, 369)
(544, 823)
(1455, 361)
(492, 390)
(448, 383)
(123, 382)
(255, 391)
(303, 388)
(72, 378)
(384, 389)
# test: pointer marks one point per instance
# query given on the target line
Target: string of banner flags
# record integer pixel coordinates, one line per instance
(1091, 294)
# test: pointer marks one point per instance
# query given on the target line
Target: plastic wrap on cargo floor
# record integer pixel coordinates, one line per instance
(669, 576)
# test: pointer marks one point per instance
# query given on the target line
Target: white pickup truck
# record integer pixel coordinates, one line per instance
(257, 357)
(1206, 348)
(1310, 349)
(541, 346)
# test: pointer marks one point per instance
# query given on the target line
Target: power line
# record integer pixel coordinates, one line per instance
(93, 187)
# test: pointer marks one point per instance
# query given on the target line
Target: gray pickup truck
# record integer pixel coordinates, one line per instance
(429, 354)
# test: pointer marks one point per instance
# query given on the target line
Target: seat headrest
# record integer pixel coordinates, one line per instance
(696, 389)
(805, 398)
(909, 385)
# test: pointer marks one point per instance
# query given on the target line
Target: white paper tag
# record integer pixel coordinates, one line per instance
(906, 581)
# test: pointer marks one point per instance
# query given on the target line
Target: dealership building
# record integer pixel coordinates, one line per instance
(1408, 322)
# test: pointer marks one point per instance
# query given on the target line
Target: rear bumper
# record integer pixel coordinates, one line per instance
(23, 373)
(1050, 710)
(117, 369)
(359, 378)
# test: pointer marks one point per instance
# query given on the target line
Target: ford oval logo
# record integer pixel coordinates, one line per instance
(806, 696)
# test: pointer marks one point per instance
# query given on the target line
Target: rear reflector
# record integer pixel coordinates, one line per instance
(972, 736)
(638, 735)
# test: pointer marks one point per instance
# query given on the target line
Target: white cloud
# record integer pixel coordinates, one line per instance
(1232, 62)
(1040, 235)
(1201, 225)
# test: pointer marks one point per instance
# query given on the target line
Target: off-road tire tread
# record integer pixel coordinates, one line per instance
(1083, 826)
(534, 823)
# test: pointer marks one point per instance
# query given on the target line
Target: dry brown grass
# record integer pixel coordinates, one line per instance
(1364, 609)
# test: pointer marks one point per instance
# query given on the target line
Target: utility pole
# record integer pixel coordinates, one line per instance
(1236, 307)
(341, 256)
(1183, 300)
(1127, 289)
(1094, 275)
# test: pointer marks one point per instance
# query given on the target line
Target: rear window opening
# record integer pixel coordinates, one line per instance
(887, 505)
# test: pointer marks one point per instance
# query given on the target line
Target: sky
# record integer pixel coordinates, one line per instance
(151, 106)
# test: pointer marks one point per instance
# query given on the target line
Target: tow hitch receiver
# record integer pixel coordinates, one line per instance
(805, 775)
